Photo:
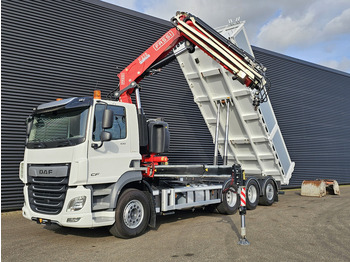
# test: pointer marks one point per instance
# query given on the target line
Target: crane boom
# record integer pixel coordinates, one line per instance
(192, 29)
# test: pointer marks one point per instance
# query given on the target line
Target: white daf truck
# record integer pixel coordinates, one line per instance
(90, 162)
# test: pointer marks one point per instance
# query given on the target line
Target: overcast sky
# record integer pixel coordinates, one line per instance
(317, 31)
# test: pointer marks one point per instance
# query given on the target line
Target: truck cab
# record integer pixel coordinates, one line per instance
(69, 168)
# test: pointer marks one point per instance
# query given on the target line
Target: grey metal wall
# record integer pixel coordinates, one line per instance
(311, 104)
(56, 49)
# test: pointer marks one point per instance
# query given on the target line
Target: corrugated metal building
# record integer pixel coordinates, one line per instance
(56, 49)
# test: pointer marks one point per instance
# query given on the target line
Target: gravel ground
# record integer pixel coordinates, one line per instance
(294, 229)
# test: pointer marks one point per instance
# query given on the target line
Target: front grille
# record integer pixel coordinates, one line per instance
(47, 192)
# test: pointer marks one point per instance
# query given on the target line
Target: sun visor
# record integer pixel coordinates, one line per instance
(65, 104)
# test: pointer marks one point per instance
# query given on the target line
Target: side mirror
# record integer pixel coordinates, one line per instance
(107, 120)
(29, 124)
(106, 136)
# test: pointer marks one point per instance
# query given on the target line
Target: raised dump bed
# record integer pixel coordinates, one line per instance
(254, 137)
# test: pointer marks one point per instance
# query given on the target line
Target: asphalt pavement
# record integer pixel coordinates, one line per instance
(294, 229)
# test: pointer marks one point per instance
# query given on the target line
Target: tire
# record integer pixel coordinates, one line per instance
(131, 215)
(269, 195)
(211, 208)
(253, 194)
(230, 202)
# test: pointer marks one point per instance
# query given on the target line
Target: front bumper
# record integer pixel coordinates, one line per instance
(82, 218)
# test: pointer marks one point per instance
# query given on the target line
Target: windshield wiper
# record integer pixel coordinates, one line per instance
(66, 142)
(39, 144)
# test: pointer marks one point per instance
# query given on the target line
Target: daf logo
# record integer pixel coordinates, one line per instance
(45, 171)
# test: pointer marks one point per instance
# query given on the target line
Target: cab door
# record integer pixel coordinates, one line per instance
(114, 158)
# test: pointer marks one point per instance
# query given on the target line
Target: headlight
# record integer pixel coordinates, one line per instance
(76, 203)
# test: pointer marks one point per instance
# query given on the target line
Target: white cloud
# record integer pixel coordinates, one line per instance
(283, 32)
(320, 21)
(339, 24)
(342, 65)
(214, 13)
(310, 27)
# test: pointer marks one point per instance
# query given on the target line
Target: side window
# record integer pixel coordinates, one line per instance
(118, 130)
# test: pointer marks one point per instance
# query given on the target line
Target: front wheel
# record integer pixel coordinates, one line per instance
(230, 202)
(131, 215)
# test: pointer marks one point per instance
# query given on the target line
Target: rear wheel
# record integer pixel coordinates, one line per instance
(270, 192)
(131, 215)
(252, 194)
(230, 203)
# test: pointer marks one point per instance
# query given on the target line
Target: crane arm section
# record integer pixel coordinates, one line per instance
(135, 72)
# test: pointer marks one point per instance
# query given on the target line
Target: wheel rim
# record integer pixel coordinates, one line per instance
(133, 214)
(252, 194)
(231, 198)
(270, 192)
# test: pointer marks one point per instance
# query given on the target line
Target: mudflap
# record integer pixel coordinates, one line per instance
(153, 215)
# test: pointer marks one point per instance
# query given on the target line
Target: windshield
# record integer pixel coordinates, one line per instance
(58, 128)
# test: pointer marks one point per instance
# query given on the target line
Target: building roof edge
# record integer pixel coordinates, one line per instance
(300, 61)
